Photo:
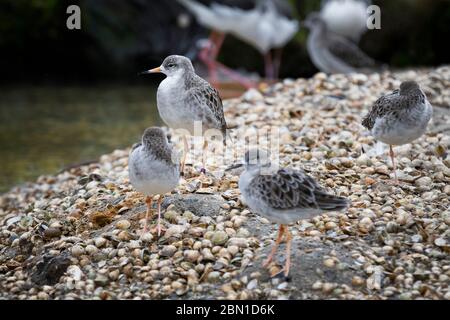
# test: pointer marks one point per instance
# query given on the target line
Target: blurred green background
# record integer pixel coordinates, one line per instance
(67, 96)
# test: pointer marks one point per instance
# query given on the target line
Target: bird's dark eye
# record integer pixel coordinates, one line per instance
(171, 65)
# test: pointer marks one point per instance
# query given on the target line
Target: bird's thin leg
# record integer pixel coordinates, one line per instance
(268, 64)
(391, 153)
(159, 214)
(269, 259)
(219, 37)
(209, 54)
(277, 62)
(205, 146)
(288, 252)
(185, 151)
(148, 201)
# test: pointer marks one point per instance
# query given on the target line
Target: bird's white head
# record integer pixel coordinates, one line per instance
(173, 66)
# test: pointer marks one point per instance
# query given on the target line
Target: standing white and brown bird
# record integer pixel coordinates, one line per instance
(184, 98)
(400, 117)
(153, 169)
(333, 53)
(283, 196)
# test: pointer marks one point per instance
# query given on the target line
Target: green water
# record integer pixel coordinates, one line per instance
(44, 129)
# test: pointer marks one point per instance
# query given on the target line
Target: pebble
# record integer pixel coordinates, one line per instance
(424, 182)
(191, 255)
(168, 251)
(100, 242)
(175, 231)
(123, 224)
(219, 238)
(77, 250)
(91, 249)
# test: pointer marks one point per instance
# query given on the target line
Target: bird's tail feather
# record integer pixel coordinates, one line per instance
(330, 202)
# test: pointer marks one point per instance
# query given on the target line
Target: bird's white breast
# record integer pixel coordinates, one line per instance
(151, 176)
(410, 126)
(171, 104)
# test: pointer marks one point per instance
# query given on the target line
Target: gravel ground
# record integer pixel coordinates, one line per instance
(76, 235)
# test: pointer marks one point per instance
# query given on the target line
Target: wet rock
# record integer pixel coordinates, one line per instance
(49, 269)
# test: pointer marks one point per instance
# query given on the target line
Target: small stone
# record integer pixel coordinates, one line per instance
(238, 242)
(363, 160)
(191, 255)
(52, 232)
(365, 225)
(219, 238)
(42, 295)
(100, 242)
(147, 237)
(330, 225)
(75, 272)
(424, 182)
(252, 95)
(77, 250)
(196, 231)
(171, 215)
(357, 281)
(123, 224)
(252, 284)
(168, 251)
(327, 287)
(91, 249)
(329, 263)
(114, 275)
(440, 242)
(175, 231)
(317, 285)
(233, 250)
(214, 276)
(101, 280)
(134, 244)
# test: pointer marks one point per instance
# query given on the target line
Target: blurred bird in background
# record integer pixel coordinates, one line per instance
(333, 53)
(347, 18)
(264, 24)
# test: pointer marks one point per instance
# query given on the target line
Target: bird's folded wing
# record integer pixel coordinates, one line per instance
(287, 189)
(349, 53)
(207, 99)
(380, 108)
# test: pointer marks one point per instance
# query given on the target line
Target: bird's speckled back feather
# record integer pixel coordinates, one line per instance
(393, 105)
(289, 189)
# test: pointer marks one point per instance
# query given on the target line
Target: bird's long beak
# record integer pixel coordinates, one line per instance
(154, 70)
(234, 166)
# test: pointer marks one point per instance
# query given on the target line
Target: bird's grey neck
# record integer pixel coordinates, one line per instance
(412, 92)
(318, 32)
(183, 80)
(254, 170)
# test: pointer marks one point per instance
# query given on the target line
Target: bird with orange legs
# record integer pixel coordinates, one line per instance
(153, 169)
(399, 117)
(283, 196)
